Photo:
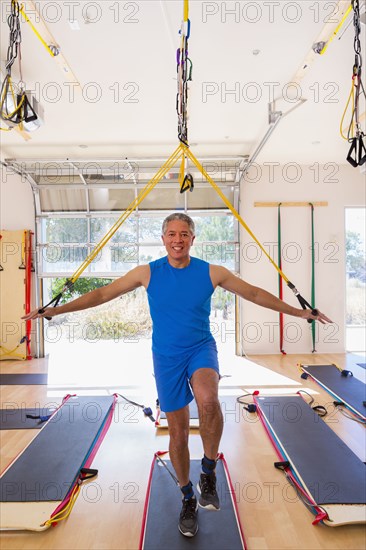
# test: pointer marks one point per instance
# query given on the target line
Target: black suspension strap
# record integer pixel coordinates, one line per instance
(187, 184)
(357, 153)
(69, 285)
(303, 303)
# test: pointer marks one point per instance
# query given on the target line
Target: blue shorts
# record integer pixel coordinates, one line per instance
(173, 374)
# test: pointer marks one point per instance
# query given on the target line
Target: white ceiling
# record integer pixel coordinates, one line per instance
(137, 55)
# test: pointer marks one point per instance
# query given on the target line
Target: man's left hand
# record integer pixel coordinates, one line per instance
(307, 314)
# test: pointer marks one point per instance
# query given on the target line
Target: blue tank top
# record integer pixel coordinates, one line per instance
(180, 305)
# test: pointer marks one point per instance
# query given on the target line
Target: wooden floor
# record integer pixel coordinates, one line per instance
(108, 512)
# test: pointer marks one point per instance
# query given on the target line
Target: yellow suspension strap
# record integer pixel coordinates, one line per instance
(184, 75)
(337, 29)
(304, 303)
(53, 50)
(280, 280)
(172, 160)
(182, 170)
(357, 153)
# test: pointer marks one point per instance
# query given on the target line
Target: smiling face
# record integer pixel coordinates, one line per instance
(178, 240)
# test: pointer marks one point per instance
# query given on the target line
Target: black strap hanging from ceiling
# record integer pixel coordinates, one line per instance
(357, 153)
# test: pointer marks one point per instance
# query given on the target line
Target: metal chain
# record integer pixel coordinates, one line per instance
(357, 26)
(182, 95)
(15, 35)
(184, 74)
(357, 67)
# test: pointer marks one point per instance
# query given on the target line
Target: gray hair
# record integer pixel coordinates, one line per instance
(181, 217)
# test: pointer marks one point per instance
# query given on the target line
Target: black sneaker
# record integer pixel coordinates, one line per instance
(208, 495)
(188, 519)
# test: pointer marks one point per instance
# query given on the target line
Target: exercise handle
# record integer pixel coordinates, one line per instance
(304, 303)
(41, 311)
(314, 312)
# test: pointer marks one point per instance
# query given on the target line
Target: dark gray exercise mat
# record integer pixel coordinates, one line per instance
(332, 473)
(16, 419)
(23, 379)
(348, 389)
(217, 530)
(48, 467)
(229, 407)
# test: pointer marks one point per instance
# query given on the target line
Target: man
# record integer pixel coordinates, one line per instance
(179, 289)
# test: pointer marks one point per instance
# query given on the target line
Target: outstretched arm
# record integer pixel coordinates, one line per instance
(133, 279)
(221, 276)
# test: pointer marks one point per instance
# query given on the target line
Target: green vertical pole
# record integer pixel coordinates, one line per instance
(313, 335)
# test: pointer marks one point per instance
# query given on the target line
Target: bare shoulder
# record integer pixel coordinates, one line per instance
(219, 275)
(140, 275)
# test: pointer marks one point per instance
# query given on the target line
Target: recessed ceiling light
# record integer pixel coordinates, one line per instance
(83, 146)
(256, 52)
(74, 24)
(315, 143)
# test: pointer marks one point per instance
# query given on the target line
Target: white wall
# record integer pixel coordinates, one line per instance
(341, 186)
(16, 202)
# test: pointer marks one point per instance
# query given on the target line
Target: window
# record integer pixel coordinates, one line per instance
(355, 279)
(65, 244)
(66, 241)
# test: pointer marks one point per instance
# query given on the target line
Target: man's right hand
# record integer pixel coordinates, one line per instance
(35, 314)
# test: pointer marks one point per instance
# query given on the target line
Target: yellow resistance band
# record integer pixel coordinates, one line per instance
(186, 10)
(172, 160)
(352, 125)
(179, 154)
(5, 352)
(235, 212)
(182, 171)
(341, 23)
(21, 10)
(4, 115)
(66, 511)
